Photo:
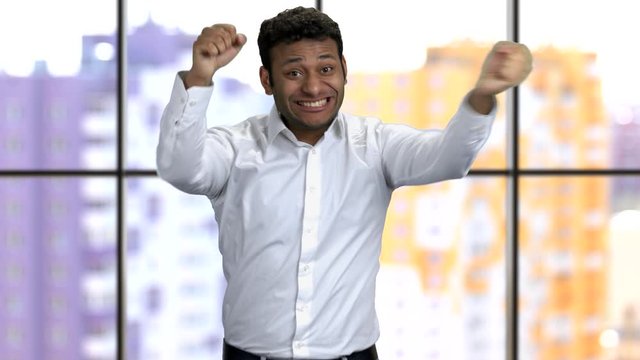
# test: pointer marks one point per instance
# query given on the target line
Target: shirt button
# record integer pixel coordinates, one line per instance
(304, 270)
(192, 103)
(298, 344)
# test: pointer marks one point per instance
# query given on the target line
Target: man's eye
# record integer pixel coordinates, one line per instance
(295, 73)
(327, 69)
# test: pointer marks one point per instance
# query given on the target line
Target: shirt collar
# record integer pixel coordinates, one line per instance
(275, 126)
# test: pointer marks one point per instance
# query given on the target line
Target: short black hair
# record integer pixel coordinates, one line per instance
(296, 24)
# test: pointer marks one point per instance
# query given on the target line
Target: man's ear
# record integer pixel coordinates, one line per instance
(265, 81)
(344, 68)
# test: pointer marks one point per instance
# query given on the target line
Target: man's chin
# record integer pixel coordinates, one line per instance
(318, 125)
(309, 123)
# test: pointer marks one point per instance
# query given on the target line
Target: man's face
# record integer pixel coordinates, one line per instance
(307, 84)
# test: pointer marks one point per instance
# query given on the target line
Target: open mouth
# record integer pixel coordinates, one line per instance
(314, 104)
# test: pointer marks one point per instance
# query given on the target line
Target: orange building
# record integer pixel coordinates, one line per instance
(563, 232)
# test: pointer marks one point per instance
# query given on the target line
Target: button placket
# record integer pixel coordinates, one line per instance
(308, 247)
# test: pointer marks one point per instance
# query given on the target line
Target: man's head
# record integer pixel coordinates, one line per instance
(304, 69)
(293, 25)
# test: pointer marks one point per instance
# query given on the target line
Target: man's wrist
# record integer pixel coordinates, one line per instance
(481, 103)
(191, 80)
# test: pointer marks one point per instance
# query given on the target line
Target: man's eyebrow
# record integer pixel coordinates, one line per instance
(292, 60)
(297, 59)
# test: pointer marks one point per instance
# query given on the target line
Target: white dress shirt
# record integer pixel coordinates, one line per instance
(301, 225)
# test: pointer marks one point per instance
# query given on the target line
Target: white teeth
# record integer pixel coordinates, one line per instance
(313, 103)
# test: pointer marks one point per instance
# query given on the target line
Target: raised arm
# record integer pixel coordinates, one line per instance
(412, 157)
(190, 156)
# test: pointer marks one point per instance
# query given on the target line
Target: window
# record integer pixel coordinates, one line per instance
(531, 256)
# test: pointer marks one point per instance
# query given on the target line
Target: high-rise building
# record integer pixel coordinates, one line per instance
(49, 262)
(626, 131)
(563, 227)
(58, 264)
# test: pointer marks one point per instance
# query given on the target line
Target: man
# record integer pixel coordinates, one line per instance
(300, 194)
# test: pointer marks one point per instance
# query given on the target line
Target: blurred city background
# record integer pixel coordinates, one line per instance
(442, 287)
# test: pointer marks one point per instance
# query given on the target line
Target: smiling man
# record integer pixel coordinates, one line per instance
(306, 79)
(301, 194)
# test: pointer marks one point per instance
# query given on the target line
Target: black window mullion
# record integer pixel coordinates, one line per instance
(513, 173)
(121, 321)
(511, 251)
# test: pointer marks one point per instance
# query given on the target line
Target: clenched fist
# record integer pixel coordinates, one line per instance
(216, 46)
(507, 65)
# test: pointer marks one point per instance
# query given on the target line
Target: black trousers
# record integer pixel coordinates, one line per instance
(233, 353)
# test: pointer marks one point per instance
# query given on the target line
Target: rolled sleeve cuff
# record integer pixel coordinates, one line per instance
(469, 113)
(188, 105)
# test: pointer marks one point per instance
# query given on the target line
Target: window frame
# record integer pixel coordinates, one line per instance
(513, 174)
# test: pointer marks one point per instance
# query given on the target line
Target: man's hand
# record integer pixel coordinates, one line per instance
(507, 65)
(214, 48)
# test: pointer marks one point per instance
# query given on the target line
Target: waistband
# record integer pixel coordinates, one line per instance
(230, 352)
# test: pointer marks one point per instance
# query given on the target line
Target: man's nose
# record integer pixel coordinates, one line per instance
(312, 84)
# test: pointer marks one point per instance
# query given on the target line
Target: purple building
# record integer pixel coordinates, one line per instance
(17, 115)
(19, 271)
(45, 258)
(41, 260)
(625, 147)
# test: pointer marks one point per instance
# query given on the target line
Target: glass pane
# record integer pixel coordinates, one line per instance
(175, 283)
(579, 245)
(57, 85)
(160, 36)
(413, 61)
(441, 286)
(579, 108)
(57, 268)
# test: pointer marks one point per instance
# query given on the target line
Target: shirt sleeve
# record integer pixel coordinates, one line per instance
(189, 156)
(418, 157)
